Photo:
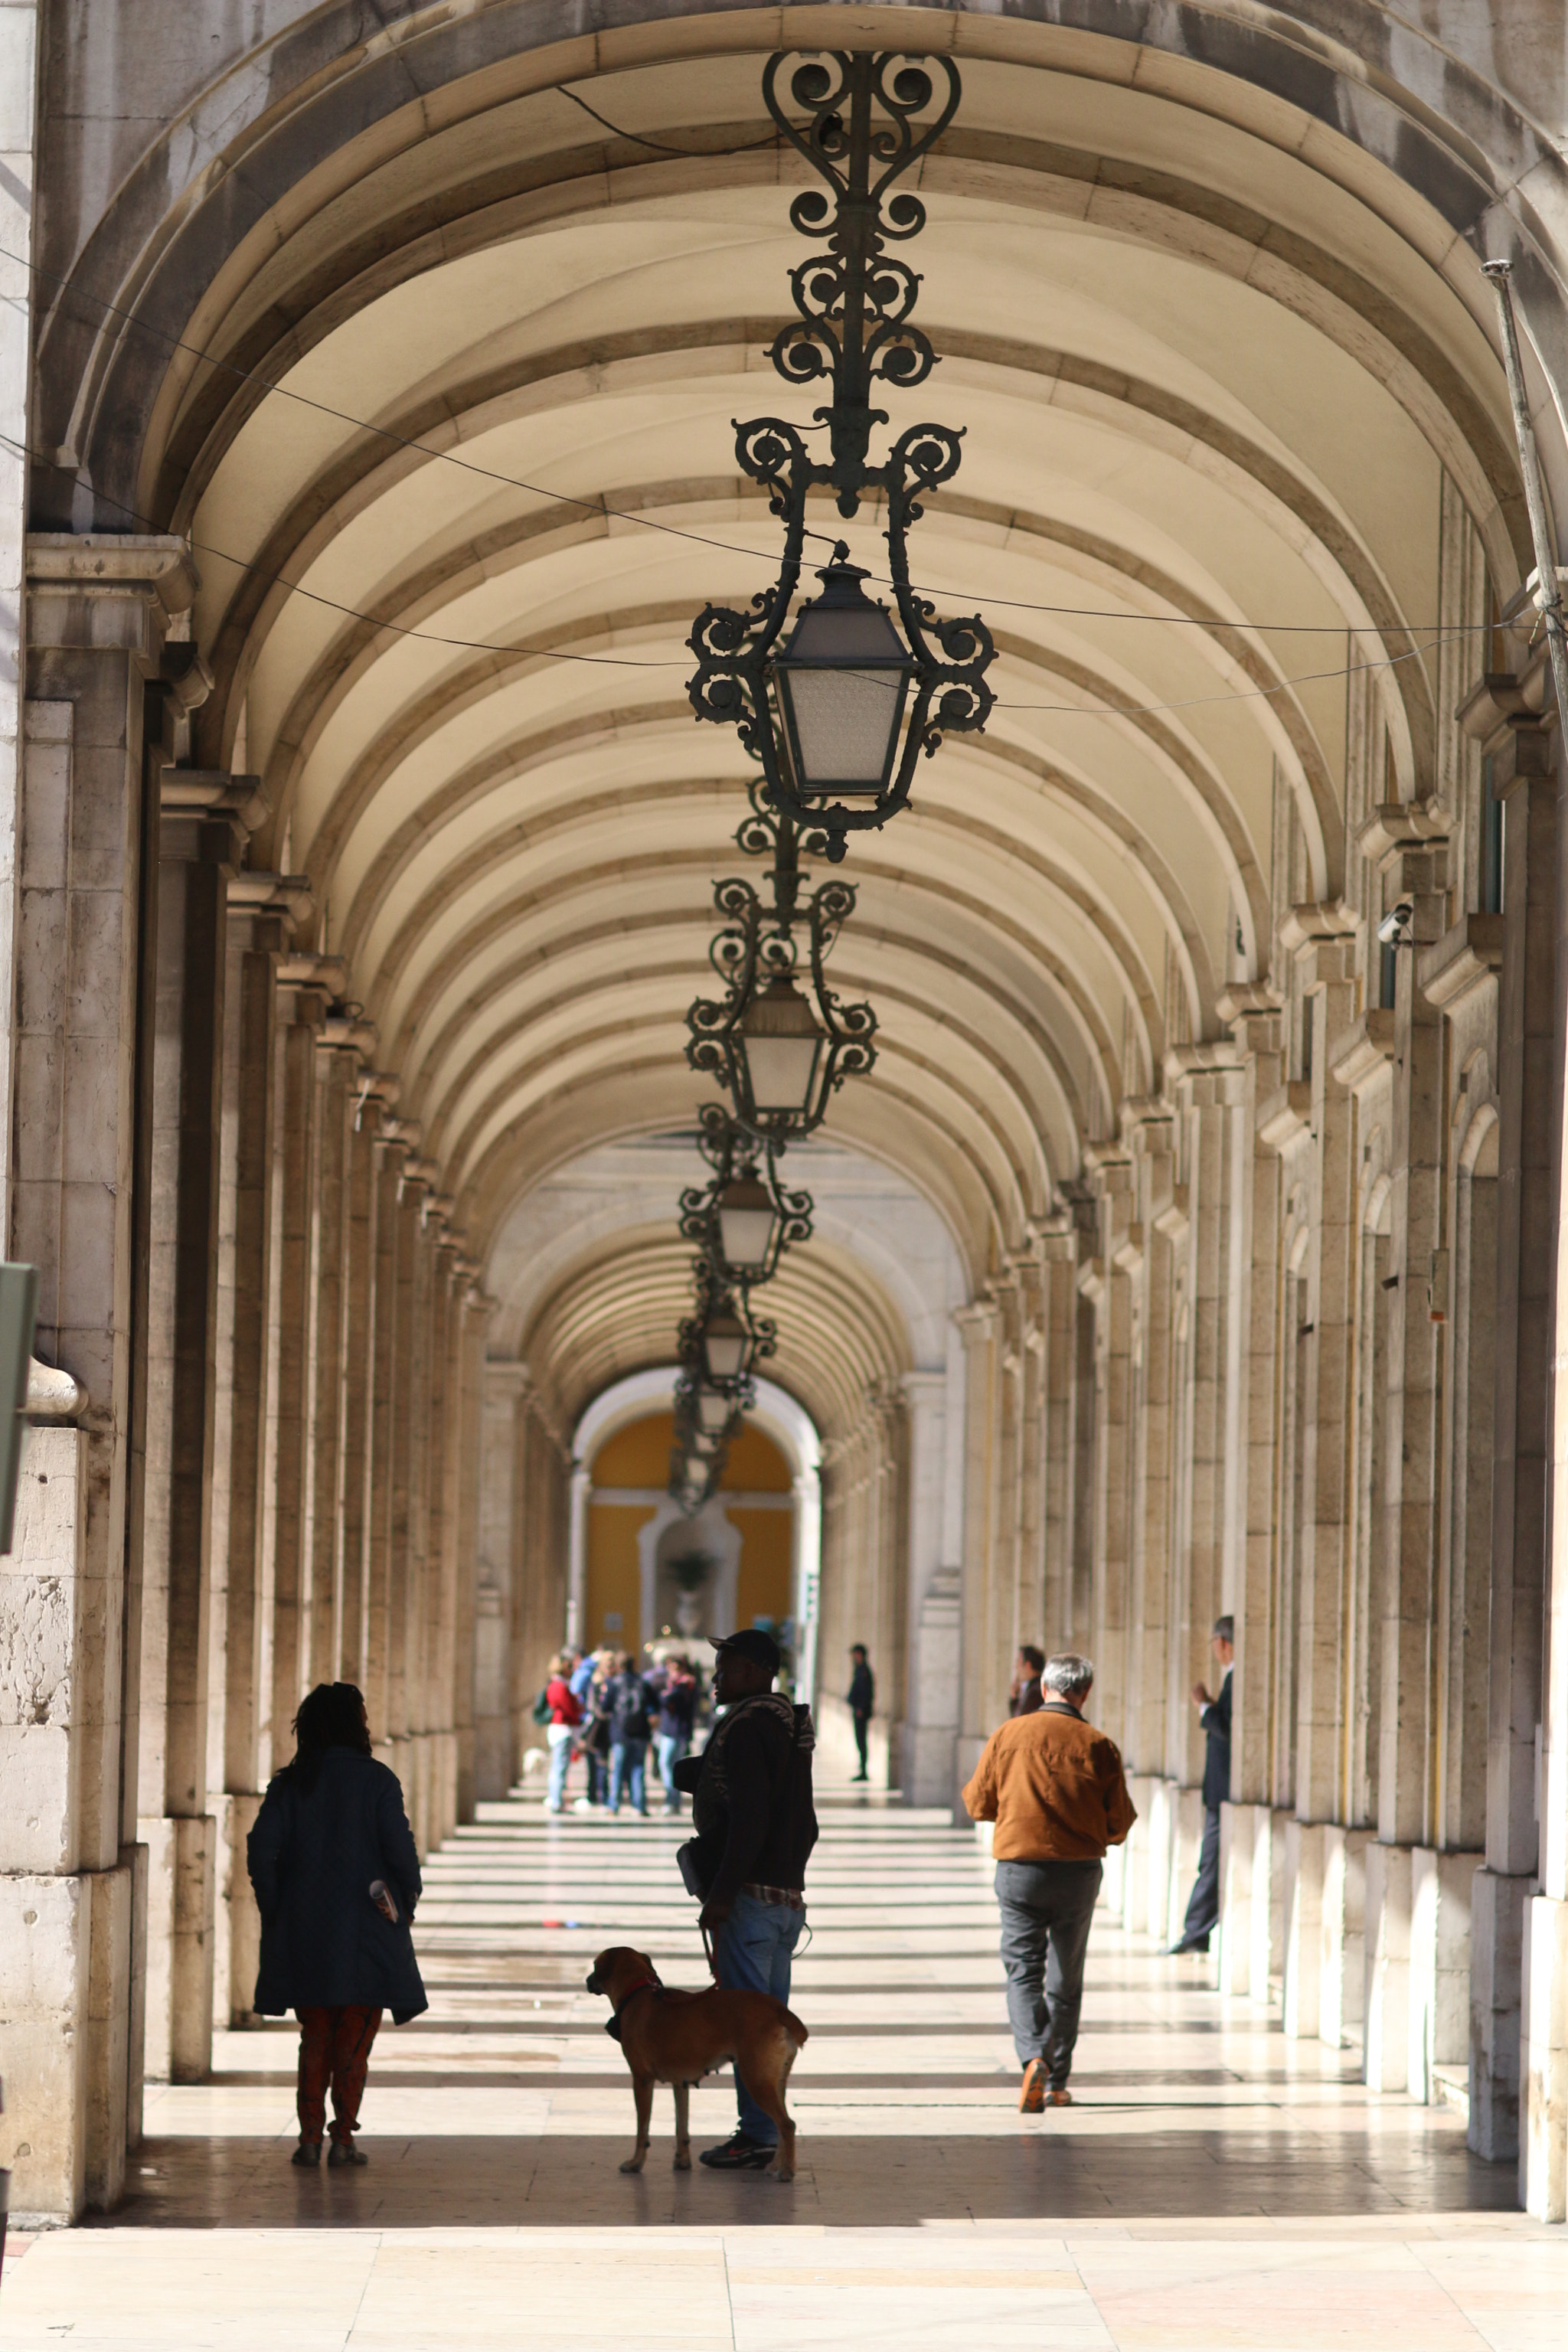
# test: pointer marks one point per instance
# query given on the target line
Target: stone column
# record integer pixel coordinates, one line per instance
(1058, 1245)
(362, 1201)
(200, 844)
(305, 984)
(402, 1718)
(496, 1612)
(340, 1043)
(1414, 862)
(474, 1314)
(981, 1382)
(382, 1637)
(1523, 1341)
(263, 910)
(934, 1605)
(69, 1870)
(18, 116)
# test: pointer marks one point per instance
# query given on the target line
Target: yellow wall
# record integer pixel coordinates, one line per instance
(761, 1587)
(638, 1456)
(614, 1583)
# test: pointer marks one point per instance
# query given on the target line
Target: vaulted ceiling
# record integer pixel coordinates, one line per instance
(1211, 373)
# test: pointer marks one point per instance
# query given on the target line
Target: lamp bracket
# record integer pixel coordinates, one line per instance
(855, 302)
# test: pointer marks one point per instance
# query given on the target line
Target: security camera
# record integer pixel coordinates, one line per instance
(1394, 929)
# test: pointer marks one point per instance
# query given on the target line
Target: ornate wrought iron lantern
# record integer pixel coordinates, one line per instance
(744, 1218)
(840, 713)
(780, 1054)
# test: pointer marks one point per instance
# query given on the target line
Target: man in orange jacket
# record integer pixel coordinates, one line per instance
(1054, 1788)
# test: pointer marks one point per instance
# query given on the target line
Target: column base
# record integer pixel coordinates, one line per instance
(1439, 1967)
(237, 1938)
(182, 1883)
(1138, 1870)
(1386, 2059)
(65, 1976)
(1543, 2060)
(1342, 1981)
(1301, 1958)
(1240, 1827)
(1498, 1903)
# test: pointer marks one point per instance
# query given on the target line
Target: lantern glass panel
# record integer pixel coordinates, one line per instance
(781, 1040)
(746, 1221)
(724, 1344)
(842, 682)
(713, 1411)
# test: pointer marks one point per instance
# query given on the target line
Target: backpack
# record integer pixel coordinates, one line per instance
(541, 1706)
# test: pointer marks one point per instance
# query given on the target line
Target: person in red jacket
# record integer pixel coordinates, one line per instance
(565, 1714)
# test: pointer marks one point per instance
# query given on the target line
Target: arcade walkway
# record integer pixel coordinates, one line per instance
(1216, 2185)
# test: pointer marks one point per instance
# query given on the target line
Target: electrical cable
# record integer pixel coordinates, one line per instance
(623, 661)
(647, 522)
(687, 155)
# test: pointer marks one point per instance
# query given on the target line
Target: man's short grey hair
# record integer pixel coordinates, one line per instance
(1068, 1674)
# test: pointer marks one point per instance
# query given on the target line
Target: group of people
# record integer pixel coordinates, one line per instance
(336, 1877)
(600, 1707)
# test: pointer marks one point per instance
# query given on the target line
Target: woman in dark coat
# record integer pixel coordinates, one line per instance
(332, 1828)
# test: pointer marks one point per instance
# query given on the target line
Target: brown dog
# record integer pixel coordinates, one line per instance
(677, 2037)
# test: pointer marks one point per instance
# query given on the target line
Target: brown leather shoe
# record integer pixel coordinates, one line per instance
(1055, 2098)
(1032, 2096)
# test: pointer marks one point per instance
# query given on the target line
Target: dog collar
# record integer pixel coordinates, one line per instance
(614, 2028)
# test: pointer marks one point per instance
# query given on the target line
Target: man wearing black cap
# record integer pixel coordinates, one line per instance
(755, 1824)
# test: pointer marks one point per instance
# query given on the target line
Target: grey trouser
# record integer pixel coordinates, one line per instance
(1046, 1910)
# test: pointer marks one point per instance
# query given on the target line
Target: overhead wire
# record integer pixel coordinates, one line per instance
(601, 508)
(626, 661)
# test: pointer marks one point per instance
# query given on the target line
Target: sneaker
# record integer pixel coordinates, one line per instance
(740, 2153)
(1058, 2096)
(308, 2154)
(343, 2151)
(584, 1805)
(1032, 2096)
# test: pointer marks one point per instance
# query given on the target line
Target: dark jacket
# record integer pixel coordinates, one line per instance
(629, 1697)
(862, 1690)
(751, 1805)
(312, 1860)
(1216, 1721)
(676, 1707)
(1054, 1786)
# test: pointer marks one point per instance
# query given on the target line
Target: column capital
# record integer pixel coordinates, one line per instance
(287, 896)
(104, 591)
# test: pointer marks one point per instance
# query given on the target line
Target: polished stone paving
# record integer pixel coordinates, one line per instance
(1216, 2185)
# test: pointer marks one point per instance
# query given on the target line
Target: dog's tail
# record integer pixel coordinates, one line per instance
(796, 2030)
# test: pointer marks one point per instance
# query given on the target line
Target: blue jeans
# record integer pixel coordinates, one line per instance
(671, 1746)
(626, 1758)
(753, 1949)
(560, 1737)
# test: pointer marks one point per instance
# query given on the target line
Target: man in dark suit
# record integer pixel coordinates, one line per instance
(862, 1699)
(1214, 1714)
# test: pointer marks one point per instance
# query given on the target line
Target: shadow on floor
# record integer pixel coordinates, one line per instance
(560, 2180)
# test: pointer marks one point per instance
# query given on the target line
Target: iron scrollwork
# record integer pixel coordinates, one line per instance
(756, 946)
(854, 330)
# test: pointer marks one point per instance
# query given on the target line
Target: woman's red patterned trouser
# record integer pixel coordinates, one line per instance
(334, 2047)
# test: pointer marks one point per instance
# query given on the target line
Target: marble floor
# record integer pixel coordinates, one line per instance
(1214, 2185)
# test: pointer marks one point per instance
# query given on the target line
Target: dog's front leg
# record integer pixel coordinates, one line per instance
(683, 2130)
(642, 2089)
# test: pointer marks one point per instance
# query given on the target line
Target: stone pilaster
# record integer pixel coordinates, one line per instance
(362, 1205)
(305, 985)
(200, 844)
(977, 1326)
(263, 910)
(497, 1604)
(1528, 1180)
(382, 1637)
(71, 1874)
(474, 1310)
